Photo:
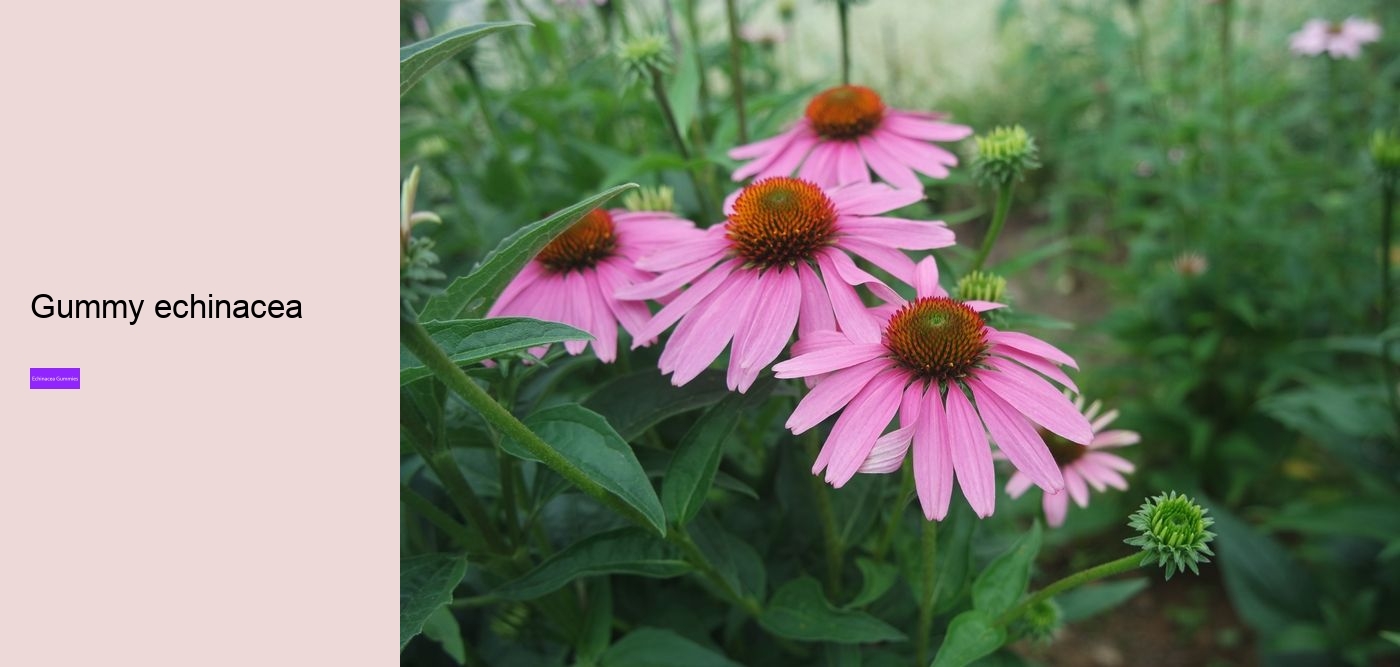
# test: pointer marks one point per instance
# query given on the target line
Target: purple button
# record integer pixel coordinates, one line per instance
(55, 378)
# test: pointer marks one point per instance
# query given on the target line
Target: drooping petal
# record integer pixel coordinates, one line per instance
(820, 167)
(521, 283)
(705, 331)
(1038, 364)
(763, 147)
(1115, 438)
(1074, 485)
(855, 276)
(672, 312)
(664, 284)
(888, 454)
(1103, 420)
(1056, 506)
(851, 314)
(762, 337)
(926, 278)
(900, 232)
(858, 427)
(632, 315)
(604, 325)
(829, 360)
(915, 127)
(815, 313)
(819, 340)
(1111, 461)
(972, 457)
(1034, 397)
(1032, 345)
(710, 247)
(891, 260)
(923, 158)
(833, 394)
(871, 198)
(1018, 484)
(850, 166)
(933, 459)
(1016, 438)
(887, 167)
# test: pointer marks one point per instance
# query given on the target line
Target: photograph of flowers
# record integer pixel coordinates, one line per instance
(899, 332)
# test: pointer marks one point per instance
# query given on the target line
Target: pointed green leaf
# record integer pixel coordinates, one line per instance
(472, 294)
(876, 579)
(622, 551)
(971, 635)
(474, 341)
(416, 59)
(653, 647)
(588, 442)
(800, 611)
(1004, 581)
(635, 402)
(693, 466)
(425, 584)
(442, 628)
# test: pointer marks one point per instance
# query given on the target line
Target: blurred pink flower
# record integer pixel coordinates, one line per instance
(925, 349)
(846, 132)
(573, 279)
(781, 261)
(1082, 466)
(1339, 40)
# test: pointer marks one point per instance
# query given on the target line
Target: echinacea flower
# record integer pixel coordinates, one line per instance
(846, 132)
(1082, 466)
(574, 278)
(779, 262)
(952, 380)
(1338, 40)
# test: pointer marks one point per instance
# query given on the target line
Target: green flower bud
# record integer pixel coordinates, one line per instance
(1385, 150)
(659, 198)
(643, 55)
(1004, 155)
(981, 286)
(1041, 620)
(786, 9)
(1172, 531)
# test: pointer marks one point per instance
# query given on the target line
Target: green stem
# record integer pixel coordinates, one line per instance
(906, 485)
(998, 221)
(736, 69)
(1387, 231)
(831, 538)
(505, 463)
(426, 509)
(658, 88)
(445, 467)
(843, 11)
(696, 558)
(416, 339)
(1124, 564)
(928, 549)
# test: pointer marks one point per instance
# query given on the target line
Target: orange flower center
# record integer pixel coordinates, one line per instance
(591, 240)
(780, 221)
(845, 112)
(937, 338)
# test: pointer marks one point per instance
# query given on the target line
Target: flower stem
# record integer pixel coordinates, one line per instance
(843, 11)
(437, 517)
(696, 558)
(928, 550)
(440, 460)
(1388, 183)
(416, 339)
(906, 485)
(998, 221)
(663, 100)
(736, 69)
(831, 539)
(1124, 564)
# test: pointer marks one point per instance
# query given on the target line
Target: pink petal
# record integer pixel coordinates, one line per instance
(1017, 439)
(853, 275)
(899, 232)
(755, 149)
(858, 427)
(850, 166)
(819, 340)
(887, 167)
(705, 331)
(914, 127)
(779, 296)
(1103, 420)
(664, 284)
(829, 360)
(1037, 364)
(632, 315)
(815, 313)
(972, 457)
(782, 159)
(926, 278)
(1116, 438)
(1018, 484)
(820, 167)
(892, 261)
(1033, 397)
(576, 312)
(888, 454)
(1090, 472)
(851, 314)
(1111, 461)
(1074, 485)
(687, 300)
(1032, 345)
(871, 198)
(522, 282)
(933, 460)
(711, 247)
(604, 327)
(924, 158)
(832, 395)
(1056, 507)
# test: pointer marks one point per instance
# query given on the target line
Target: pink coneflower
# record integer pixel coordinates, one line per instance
(1339, 40)
(948, 375)
(846, 132)
(780, 261)
(573, 279)
(1082, 466)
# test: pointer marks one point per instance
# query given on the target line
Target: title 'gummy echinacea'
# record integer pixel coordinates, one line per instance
(1082, 466)
(1338, 40)
(779, 262)
(848, 131)
(573, 279)
(952, 380)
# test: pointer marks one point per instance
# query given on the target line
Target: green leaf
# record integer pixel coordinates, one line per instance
(473, 341)
(1086, 601)
(685, 87)
(653, 647)
(732, 557)
(876, 580)
(472, 294)
(1004, 581)
(621, 551)
(1268, 588)
(416, 59)
(636, 402)
(587, 441)
(799, 611)
(693, 466)
(971, 635)
(425, 584)
(442, 628)
(598, 621)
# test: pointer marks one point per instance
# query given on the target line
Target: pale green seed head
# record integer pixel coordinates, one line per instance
(643, 54)
(981, 286)
(1004, 155)
(1172, 530)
